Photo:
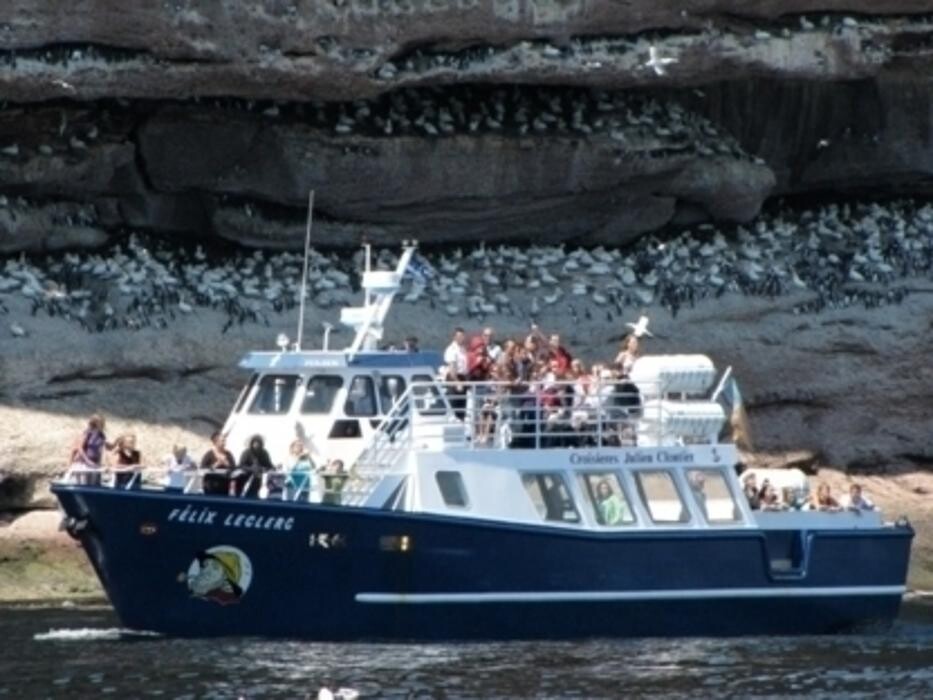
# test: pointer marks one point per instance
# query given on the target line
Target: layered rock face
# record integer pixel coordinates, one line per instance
(590, 121)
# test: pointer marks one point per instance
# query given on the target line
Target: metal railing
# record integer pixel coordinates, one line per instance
(532, 415)
(275, 485)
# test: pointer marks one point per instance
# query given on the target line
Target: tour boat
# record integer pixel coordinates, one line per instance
(478, 511)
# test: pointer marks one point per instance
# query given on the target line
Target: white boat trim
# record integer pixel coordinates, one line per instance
(597, 596)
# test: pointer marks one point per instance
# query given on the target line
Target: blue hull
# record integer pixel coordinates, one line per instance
(209, 566)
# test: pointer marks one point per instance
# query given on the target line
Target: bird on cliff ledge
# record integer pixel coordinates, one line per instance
(656, 62)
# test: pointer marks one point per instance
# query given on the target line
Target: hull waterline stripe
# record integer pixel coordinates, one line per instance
(596, 596)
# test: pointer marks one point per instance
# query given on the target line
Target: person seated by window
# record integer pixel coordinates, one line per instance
(254, 462)
(750, 489)
(823, 499)
(770, 500)
(856, 501)
(411, 344)
(300, 481)
(611, 508)
(88, 450)
(176, 465)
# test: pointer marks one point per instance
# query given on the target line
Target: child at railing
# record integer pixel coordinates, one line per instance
(300, 477)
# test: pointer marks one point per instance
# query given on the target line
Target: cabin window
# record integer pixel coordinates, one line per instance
(660, 495)
(551, 497)
(713, 496)
(610, 504)
(428, 400)
(452, 489)
(320, 393)
(244, 394)
(275, 394)
(344, 429)
(391, 389)
(361, 398)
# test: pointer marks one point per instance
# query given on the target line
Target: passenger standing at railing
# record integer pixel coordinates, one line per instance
(176, 465)
(492, 348)
(551, 407)
(581, 407)
(301, 472)
(254, 462)
(218, 459)
(127, 459)
(558, 353)
(629, 352)
(521, 401)
(750, 488)
(855, 500)
(89, 448)
(823, 499)
(479, 368)
(455, 361)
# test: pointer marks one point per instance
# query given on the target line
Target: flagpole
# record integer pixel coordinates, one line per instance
(304, 274)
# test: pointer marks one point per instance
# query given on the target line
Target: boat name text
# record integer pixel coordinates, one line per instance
(249, 521)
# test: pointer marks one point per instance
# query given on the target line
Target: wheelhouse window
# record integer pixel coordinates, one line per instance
(391, 389)
(712, 494)
(361, 397)
(344, 429)
(661, 497)
(244, 394)
(610, 504)
(427, 398)
(320, 393)
(275, 394)
(551, 497)
(452, 489)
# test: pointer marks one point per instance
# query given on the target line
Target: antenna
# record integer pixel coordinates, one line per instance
(304, 274)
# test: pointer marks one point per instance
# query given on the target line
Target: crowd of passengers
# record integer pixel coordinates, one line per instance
(767, 497)
(252, 475)
(249, 475)
(539, 391)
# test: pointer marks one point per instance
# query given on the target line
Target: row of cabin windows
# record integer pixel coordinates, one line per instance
(276, 394)
(609, 500)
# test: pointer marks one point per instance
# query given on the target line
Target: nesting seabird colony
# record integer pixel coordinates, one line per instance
(835, 256)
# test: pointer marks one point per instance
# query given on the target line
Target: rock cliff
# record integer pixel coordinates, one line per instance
(585, 120)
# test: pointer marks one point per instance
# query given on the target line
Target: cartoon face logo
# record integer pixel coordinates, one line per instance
(220, 574)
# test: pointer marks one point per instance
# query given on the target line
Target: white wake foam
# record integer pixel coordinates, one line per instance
(86, 634)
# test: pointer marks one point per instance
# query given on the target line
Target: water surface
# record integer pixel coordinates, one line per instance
(81, 652)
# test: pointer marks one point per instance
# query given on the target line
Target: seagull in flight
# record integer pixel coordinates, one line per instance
(656, 62)
(64, 85)
(640, 329)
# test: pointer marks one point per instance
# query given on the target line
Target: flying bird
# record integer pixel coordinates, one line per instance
(640, 329)
(657, 62)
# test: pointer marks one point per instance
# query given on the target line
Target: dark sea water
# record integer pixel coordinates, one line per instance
(81, 653)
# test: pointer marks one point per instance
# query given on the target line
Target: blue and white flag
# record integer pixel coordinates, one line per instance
(420, 269)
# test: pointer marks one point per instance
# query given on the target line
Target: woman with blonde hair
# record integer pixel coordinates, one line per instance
(89, 448)
(823, 499)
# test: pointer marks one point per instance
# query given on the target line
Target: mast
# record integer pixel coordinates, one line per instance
(304, 274)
